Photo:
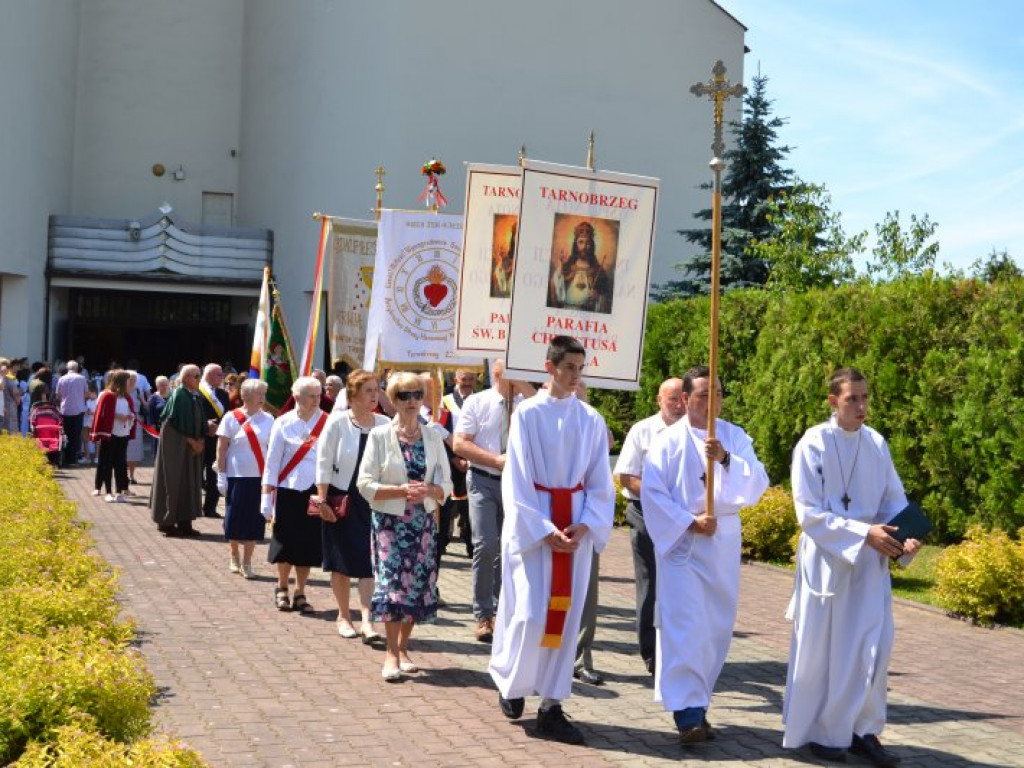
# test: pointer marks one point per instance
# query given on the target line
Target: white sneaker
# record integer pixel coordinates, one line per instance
(109, 498)
(233, 566)
(96, 492)
(247, 571)
(119, 498)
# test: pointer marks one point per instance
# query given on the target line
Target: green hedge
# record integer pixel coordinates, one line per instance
(68, 679)
(944, 358)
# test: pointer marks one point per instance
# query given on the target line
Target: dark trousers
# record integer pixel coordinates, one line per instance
(73, 429)
(644, 573)
(112, 460)
(210, 493)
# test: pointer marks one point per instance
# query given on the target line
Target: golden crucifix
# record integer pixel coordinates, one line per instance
(719, 89)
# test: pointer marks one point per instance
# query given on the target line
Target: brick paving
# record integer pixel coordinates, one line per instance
(247, 685)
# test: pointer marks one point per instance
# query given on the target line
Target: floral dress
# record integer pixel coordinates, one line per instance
(404, 555)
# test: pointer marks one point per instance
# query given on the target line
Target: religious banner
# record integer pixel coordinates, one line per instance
(488, 250)
(415, 292)
(582, 269)
(353, 249)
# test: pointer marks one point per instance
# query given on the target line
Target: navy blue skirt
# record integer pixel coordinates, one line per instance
(243, 521)
(346, 542)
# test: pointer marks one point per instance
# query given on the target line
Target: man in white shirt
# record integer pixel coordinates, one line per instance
(70, 395)
(559, 501)
(481, 437)
(629, 471)
(697, 553)
(845, 490)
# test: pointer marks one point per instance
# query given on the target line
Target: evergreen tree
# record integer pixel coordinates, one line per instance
(753, 173)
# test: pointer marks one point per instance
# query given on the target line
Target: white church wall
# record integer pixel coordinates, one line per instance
(331, 93)
(158, 82)
(38, 52)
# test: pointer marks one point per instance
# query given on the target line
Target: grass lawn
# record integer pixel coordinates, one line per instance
(917, 581)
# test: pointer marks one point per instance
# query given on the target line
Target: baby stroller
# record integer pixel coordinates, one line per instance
(47, 426)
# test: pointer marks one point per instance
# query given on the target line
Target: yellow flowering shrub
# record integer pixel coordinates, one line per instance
(982, 578)
(770, 528)
(70, 685)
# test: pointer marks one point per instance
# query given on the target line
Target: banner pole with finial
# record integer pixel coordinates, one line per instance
(719, 90)
(380, 192)
(590, 153)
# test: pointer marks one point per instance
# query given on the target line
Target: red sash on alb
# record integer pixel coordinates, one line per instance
(561, 567)
(250, 433)
(303, 449)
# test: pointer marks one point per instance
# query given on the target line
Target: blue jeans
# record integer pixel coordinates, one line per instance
(689, 717)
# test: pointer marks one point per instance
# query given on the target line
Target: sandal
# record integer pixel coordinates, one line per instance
(281, 599)
(300, 604)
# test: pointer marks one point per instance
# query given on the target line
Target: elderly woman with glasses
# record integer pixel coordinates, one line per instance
(289, 480)
(242, 438)
(405, 477)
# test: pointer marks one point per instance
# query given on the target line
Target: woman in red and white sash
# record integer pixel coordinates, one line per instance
(242, 439)
(289, 478)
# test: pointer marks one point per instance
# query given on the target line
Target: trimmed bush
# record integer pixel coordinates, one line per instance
(79, 744)
(983, 578)
(770, 527)
(70, 685)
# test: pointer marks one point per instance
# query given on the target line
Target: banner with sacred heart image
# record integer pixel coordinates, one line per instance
(415, 292)
(352, 254)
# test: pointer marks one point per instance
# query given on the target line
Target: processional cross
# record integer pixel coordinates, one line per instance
(719, 90)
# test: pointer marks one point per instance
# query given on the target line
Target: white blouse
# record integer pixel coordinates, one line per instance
(286, 437)
(241, 461)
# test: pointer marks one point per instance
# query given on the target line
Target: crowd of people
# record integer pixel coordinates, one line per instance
(367, 480)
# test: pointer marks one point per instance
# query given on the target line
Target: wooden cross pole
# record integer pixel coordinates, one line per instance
(719, 90)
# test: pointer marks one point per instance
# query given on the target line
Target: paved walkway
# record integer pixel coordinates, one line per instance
(249, 686)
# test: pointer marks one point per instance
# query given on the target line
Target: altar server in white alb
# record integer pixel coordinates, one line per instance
(845, 489)
(697, 554)
(559, 503)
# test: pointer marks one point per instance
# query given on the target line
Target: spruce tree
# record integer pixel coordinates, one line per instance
(753, 173)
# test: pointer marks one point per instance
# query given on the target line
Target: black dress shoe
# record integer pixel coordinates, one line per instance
(835, 754)
(651, 665)
(215, 514)
(511, 708)
(588, 676)
(870, 748)
(712, 734)
(189, 532)
(169, 531)
(553, 724)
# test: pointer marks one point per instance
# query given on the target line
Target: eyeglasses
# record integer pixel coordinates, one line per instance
(409, 394)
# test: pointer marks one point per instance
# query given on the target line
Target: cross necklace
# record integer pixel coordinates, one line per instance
(839, 457)
(700, 452)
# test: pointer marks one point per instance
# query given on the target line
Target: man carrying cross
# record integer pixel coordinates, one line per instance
(559, 501)
(697, 551)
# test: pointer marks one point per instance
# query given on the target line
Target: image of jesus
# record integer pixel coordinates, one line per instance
(582, 279)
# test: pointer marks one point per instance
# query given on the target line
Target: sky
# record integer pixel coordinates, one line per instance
(908, 105)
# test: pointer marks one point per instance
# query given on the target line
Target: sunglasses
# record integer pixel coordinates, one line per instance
(410, 394)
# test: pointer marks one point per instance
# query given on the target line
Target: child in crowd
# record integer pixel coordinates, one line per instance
(88, 447)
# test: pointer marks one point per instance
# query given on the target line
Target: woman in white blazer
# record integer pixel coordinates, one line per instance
(405, 477)
(346, 540)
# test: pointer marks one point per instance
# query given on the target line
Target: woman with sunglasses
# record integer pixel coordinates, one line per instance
(405, 477)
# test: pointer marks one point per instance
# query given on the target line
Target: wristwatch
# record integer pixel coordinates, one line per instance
(727, 459)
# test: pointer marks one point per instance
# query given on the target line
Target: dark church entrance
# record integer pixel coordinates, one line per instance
(159, 330)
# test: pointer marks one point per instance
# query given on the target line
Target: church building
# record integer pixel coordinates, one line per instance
(155, 156)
